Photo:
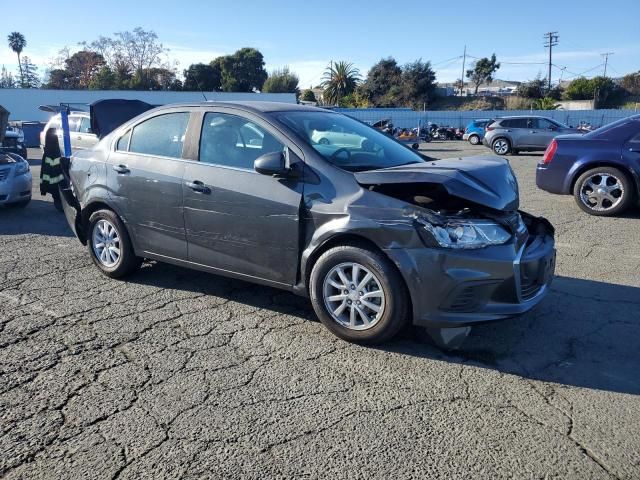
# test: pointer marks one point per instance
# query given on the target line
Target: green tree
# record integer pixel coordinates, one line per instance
(532, 89)
(81, 67)
(6, 79)
(282, 81)
(579, 89)
(105, 79)
(58, 80)
(418, 84)
(483, 71)
(243, 71)
(340, 79)
(156, 78)
(631, 83)
(30, 78)
(382, 82)
(17, 43)
(203, 77)
(308, 96)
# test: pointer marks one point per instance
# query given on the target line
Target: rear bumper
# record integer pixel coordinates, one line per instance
(551, 181)
(463, 288)
(15, 188)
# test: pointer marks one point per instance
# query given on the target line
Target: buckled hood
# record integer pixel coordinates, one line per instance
(484, 180)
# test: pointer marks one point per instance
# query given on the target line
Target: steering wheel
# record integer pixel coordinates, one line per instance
(335, 154)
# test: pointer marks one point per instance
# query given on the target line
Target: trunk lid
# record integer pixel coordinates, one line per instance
(484, 180)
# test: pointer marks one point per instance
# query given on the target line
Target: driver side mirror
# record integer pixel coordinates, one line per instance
(273, 164)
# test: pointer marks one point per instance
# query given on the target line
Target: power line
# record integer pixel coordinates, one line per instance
(550, 42)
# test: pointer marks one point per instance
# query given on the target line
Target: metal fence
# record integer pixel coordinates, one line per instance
(407, 118)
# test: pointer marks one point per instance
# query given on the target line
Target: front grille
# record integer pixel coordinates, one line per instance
(4, 173)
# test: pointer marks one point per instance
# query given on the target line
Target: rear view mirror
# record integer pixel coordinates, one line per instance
(273, 164)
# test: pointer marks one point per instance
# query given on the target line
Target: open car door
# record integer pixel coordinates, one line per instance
(105, 116)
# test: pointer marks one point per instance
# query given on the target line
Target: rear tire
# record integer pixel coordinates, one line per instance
(474, 140)
(367, 312)
(110, 246)
(603, 191)
(501, 146)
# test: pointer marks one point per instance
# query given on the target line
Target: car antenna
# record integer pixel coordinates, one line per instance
(200, 88)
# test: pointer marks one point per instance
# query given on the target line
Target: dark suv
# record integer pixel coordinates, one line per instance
(373, 232)
(513, 134)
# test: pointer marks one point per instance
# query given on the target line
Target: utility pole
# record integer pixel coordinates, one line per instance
(606, 61)
(464, 58)
(551, 40)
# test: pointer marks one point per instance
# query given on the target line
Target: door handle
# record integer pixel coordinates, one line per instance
(121, 168)
(198, 186)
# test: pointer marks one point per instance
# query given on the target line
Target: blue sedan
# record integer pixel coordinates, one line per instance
(600, 169)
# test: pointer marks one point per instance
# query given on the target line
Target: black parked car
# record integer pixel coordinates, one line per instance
(600, 169)
(374, 233)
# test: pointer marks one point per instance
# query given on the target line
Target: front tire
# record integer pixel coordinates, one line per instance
(501, 146)
(110, 246)
(474, 140)
(358, 294)
(603, 191)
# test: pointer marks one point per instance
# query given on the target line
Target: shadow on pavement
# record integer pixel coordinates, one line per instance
(39, 217)
(584, 334)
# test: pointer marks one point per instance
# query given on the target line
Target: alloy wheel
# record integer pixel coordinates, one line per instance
(601, 192)
(105, 241)
(501, 147)
(353, 296)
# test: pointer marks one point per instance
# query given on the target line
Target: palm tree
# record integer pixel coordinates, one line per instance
(17, 42)
(546, 103)
(340, 79)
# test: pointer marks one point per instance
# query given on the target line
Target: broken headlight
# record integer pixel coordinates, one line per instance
(461, 233)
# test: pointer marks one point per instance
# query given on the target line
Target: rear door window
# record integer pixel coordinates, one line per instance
(515, 123)
(161, 136)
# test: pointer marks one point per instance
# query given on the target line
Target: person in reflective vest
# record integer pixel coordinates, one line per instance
(50, 170)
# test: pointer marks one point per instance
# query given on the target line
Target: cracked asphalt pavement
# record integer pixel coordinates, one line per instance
(180, 374)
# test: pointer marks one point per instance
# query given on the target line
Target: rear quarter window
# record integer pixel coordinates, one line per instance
(161, 136)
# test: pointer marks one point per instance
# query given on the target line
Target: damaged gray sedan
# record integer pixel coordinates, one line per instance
(374, 233)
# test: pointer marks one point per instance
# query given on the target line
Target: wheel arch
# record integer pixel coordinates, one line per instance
(604, 163)
(345, 238)
(90, 209)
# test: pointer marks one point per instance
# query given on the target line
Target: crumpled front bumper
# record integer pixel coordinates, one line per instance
(456, 288)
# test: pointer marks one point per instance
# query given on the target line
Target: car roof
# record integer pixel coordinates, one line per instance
(523, 116)
(251, 106)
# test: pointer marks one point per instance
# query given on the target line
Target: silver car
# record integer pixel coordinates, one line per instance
(15, 180)
(79, 128)
(531, 133)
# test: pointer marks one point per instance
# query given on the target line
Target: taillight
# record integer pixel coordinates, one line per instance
(488, 129)
(550, 152)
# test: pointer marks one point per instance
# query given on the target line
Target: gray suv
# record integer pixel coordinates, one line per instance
(513, 134)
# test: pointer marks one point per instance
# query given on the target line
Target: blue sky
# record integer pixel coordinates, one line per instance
(307, 35)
